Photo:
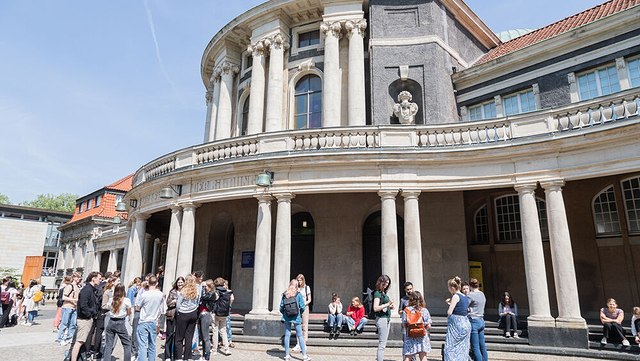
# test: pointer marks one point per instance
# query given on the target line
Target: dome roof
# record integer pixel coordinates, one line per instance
(512, 34)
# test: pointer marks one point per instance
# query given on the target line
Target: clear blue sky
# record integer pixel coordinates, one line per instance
(92, 90)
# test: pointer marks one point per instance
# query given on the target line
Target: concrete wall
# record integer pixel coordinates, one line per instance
(20, 238)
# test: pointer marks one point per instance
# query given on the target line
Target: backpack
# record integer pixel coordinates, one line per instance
(290, 306)
(5, 296)
(59, 301)
(367, 302)
(415, 323)
(223, 304)
(37, 297)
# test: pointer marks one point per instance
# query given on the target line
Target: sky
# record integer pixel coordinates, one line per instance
(90, 91)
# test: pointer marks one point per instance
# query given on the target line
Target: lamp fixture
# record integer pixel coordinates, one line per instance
(133, 203)
(121, 207)
(264, 179)
(169, 191)
(117, 219)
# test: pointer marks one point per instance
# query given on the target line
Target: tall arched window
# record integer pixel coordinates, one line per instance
(245, 117)
(605, 212)
(481, 221)
(631, 193)
(508, 219)
(308, 102)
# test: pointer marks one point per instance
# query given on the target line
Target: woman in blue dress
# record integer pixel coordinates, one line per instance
(457, 341)
(420, 346)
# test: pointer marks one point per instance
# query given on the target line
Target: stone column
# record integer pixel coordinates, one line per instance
(113, 260)
(225, 108)
(535, 273)
(98, 261)
(564, 273)
(389, 247)
(256, 92)
(282, 256)
(60, 263)
(212, 97)
(275, 84)
(173, 244)
(413, 240)
(331, 94)
(355, 33)
(68, 256)
(154, 258)
(187, 233)
(134, 251)
(262, 257)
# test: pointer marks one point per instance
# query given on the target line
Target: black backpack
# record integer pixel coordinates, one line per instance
(367, 301)
(223, 304)
(60, 302)
(290, 306)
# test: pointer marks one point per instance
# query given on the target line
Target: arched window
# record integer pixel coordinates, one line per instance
(605, 212)
(245, 117)
(631, 193)
(508, 219)
(481, 221)
(308, 102)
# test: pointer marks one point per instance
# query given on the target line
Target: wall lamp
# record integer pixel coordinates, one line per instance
(122, 207)
(171, 190)
(264, 179)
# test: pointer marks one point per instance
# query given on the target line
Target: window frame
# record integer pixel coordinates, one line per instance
(628, 62)
(482, 112)
(596, 71)
(295, 33)
(594, 214)
(477, 240)
(518, 95)
(308, 95)
(632, 232)
(542, 215)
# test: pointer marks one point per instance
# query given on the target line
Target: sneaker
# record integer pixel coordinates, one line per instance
(506, 335)
(226, 352)
(306, 358)
(28, 324)
(296, 348)
(625, 342)
(515, 335)
(603, 341)
(232, 345)
(287, 358)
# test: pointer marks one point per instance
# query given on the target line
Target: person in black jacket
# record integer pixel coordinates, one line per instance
(88, 307)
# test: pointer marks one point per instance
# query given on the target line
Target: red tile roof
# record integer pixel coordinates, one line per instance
(588, 16)
(123, 184)
(107, 207)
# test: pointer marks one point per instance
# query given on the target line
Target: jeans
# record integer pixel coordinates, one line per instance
(113, 328)
(220, 327)
(69, 317)
(31, 315)
(229, 328)
(168, 344)
(613, 332)
(478, 347)
(287, 337)
(510, 324)
(134, 344)
(335, 318)
(146, 335)
(383, 333)
(204, 322)
(351, 323)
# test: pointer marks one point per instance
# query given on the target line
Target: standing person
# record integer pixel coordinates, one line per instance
(186, 317)
(382, 306)
(97, 329)
(172, 300)
(220, 314)
(229, 334)
(31, 302)
(305, 290)
(508, 312)
(87, 310)
(69, 312)
(635, 324)
(611, 318)
(335, 318)
(456, 347)
(150, 305)
(205, 316)
(59, 302)
(355, 317)
(404, 301)
(477, 301)
(292, 307)
(416, 341)
(119, 310)
(132, 291)
(7, 301)
(160, 276)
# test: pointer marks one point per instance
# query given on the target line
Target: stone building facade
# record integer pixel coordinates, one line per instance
(405, 138)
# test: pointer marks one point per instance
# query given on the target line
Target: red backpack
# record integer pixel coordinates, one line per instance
(415, 324)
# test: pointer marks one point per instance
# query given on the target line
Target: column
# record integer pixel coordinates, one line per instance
(96, 263)
(355, 33)
(68, 257)
(389, 247)
(134, 252)
(282, 253)
(212, 97)
(535, 273)
(173, 244)
(256, 92)
(275, 83)
(225, 108)
(412, 240)
(113, 260)
(262, 257)
(187, 233)
(61, 259)
(154, 258)
(332, 83)
(564, 274)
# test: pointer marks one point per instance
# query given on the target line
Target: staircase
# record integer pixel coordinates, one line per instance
(595, 335)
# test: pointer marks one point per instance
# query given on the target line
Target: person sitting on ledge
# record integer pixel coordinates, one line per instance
(355, 317)
(635, 324)
(508, 312)
(335, 316)
(611, 318)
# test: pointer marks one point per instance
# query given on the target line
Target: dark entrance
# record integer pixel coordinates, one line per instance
(372, 250)
(220, 252)
(302, 248)
(104, 261)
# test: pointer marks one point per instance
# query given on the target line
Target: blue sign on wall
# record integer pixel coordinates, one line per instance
(247, 259)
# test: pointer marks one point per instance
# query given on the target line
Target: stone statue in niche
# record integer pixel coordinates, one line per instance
(405, 110)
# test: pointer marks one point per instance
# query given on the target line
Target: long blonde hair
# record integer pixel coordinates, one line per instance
(301, 277)
(190, 289)
(292, 290)
(118, 296)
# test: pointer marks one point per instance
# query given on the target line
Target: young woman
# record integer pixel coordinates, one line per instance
(186, 317)
(293, 320)
(119, 310)
(132, 290)
(58, 319)
(456, 346)
(334, 318)
(224, 297)
(477, 301)
(31, 307)
(172, 300)
(635, 324)
(420, 346)
(207, 305)
(305, 291)
(611, 318)
(355, 317)
(382, 306)
(508, 312)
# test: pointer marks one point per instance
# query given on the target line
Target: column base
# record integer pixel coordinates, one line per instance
(395, 328)
(541, 330)
(571, 333)
(262, 325)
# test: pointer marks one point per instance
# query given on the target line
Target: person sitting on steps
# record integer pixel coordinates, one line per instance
(508, 312)
(335, 317)
(611, 318)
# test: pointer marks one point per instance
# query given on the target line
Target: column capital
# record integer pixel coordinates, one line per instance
(263, 198)
(229, 69)
(552, 185)
(331, 28)
(258, 49)
(140, 217)
(388, 194)
(411, 193)
(208, 96)
(284, 197)
(276, 42)
(525, 187)
(189, 206)
(355, 27)
(156, 241)
(175, 208)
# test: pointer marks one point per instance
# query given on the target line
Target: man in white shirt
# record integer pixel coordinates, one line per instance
(150, 306)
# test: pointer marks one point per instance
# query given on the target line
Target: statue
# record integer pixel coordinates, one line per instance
(405, 110)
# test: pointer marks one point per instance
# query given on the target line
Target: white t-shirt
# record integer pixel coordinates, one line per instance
(150, 303)
(122, 312)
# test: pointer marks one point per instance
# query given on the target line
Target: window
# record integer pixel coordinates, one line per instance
(634, 72)
(49, 266)
(631, 193)
(519, 103)
(481, 221)
(81, 207)
(89, 204)
(482, 111)
(308, 38)
(248, 61)
(245, 117)
(605, 212)
(308, 102)
(508, 219)
(598, 82)
(119, 198)
(98, 200)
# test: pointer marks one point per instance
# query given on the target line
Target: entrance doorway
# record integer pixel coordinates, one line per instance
(220, 252)
(302, 248)
(372, 250)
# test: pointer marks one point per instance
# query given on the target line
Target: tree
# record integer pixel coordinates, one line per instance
(4, 199)
(65, 202)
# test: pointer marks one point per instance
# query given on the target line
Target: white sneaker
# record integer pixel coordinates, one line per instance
(515, 335)
(506, 335)
(296, 348)
(603, 341)
(287, 358)
(306, 358)
(625, 342)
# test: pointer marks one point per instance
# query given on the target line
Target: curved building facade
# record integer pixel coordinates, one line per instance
(404, 138)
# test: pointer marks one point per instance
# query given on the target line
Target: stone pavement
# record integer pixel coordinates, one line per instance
(36, 343)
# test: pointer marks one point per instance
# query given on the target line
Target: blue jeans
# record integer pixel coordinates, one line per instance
(351, 323)
(146, 336)
(478, 347)
(229, 328)
(31, 315)
(69, 317)
(287, 337)
(335, 318)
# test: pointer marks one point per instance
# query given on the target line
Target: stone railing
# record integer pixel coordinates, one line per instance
(623, 106)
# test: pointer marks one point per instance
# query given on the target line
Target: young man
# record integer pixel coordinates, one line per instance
(150, 305)
(88, 307)
(404, 301)
(69, 313)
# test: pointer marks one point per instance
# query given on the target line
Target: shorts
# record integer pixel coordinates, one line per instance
(83, 329)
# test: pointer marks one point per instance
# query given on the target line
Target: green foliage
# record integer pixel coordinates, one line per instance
(65, 202)
(6, 271)
(4, 199)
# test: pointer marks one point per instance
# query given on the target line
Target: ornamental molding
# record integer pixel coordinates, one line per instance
(258, 49)
(228, 68)
(277, 42)
(355, 27)
(331, 28)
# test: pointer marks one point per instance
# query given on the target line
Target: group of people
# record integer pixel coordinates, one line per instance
(20, 304)
(611, 318)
